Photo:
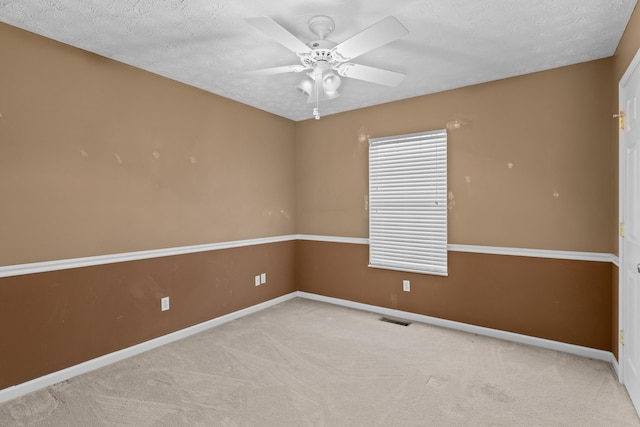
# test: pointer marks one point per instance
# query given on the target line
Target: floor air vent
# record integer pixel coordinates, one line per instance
(394, 321)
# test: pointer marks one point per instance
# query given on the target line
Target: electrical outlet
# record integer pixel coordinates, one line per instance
(257, 280)
(263, 278)
(164, 304)
(406, 285)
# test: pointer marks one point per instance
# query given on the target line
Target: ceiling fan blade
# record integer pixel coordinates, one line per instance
(370, 74)
(379, 34)
(272, 29)
(275, 70)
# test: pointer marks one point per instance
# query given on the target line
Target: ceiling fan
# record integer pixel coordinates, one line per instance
(325, 61)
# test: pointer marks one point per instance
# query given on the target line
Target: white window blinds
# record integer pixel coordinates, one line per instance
(408, 202)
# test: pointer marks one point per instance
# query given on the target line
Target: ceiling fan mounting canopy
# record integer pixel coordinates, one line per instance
(321, 26)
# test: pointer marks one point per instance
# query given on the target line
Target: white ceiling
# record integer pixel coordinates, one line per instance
(453, 43)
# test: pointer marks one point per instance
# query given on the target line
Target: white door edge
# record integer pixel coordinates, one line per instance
(621, 199)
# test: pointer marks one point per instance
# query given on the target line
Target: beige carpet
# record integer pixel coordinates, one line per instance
(305, 363)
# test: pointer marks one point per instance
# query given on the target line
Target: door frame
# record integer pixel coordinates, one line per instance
(622, 289)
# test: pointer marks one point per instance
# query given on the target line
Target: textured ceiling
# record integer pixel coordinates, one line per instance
(453, 43)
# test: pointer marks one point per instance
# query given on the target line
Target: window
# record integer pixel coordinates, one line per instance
(408, 202)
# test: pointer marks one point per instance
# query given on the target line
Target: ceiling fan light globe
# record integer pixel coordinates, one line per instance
(331, 82)
(305, 86)
(331, 94)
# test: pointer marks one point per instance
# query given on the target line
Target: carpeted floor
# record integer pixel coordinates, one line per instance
(306, 363)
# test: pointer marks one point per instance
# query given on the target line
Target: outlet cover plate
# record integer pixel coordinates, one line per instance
(164, 303)
(263, 278)
(406, 285)
(257, 280)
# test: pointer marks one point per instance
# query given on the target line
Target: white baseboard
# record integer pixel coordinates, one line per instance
(90, 365)
(16, 391)
(616, 368)
(590, 353)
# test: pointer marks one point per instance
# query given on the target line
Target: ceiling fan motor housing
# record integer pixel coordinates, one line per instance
(321, 53)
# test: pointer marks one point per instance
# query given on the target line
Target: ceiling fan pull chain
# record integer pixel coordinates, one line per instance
(316, 111)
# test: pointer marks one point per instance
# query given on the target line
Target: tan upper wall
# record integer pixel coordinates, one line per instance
(530, 167)
(97, 157)
(628, 46)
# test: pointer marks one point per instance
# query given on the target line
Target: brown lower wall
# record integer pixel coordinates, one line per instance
(50, 321)
(561, 300)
